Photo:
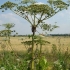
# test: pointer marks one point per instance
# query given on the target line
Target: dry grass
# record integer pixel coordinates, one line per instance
(61, 42)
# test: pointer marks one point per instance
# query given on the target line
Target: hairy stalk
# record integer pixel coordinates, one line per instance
(32, 51)
(32, 60)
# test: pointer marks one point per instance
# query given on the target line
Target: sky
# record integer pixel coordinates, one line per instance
(23, 27)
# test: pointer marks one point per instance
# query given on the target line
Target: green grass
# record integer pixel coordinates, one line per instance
(20, 60)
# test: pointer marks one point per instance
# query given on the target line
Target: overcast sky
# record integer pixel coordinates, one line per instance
(23, 27)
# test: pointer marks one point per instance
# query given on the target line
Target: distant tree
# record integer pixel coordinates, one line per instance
(35, 13)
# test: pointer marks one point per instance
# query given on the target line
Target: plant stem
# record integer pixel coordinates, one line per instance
(32, 51)
(32, 60)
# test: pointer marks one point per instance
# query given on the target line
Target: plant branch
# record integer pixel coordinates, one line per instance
(26, 17)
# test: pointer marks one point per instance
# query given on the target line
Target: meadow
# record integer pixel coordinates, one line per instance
(61, 42)
(15, 56)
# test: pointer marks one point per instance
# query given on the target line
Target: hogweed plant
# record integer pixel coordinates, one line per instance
(39, 59)
(7, 31)
(35, 14)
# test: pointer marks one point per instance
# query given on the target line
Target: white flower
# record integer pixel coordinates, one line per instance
(15, 68)
(60, 66)
(28, 61)
(18, 60)
(57, 62)
(3, 68)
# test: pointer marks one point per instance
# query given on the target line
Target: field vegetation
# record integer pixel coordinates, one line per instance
(16, 55)
(62, 42)
(34, 52)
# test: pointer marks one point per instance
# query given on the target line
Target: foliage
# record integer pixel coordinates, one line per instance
(8, 25)
(7, 31)
(48, 27)
(29, 10)
(20, 60)
(42, 64)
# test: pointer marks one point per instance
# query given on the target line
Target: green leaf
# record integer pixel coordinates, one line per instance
(43, 63)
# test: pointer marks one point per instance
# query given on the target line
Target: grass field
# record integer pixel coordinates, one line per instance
(14, 57)
(62, 43)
